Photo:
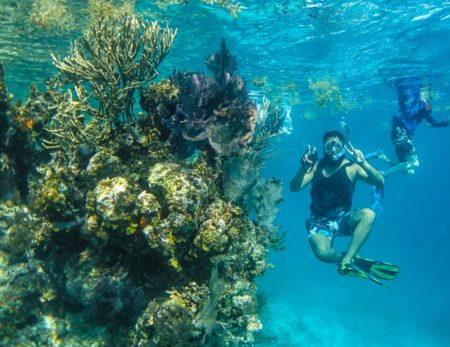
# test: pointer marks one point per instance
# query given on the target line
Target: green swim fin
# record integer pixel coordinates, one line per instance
(354, 271)
(380, 269)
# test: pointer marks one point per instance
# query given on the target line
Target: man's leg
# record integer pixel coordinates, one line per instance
(361, 222)
(406, 153)
(408, 166)
(322, 248)
(399, 168)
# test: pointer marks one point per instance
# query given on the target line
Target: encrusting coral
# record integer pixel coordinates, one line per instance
(132, 230)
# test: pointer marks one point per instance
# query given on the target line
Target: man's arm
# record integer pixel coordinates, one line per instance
(434, 123)
(370, 175)
(302, 178)
(306, 171)
(367, 172)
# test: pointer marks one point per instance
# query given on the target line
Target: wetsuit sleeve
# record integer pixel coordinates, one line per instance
(430, 120)
(434, 123)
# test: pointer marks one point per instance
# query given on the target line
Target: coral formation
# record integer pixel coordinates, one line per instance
(134, 229)
(4, 103)
(136, 49)
(213, 108)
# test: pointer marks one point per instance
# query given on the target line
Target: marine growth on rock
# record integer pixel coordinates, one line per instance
(127, 227)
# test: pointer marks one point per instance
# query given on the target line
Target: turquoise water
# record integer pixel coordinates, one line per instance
(363, 46)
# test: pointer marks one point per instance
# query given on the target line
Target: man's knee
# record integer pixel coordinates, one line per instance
(365, 214)
(321, 249)
(413, 164)
(324, 255)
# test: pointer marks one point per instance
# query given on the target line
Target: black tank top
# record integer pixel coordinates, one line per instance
(331, 193)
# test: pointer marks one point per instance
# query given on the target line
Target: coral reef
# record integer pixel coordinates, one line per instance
(20, 149)
(134, 229)
(100, 97)
(4, 109)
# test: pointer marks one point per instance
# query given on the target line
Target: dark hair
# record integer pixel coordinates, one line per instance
(333, 133)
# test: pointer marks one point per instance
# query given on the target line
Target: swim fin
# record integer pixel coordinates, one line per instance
(354, 271)
(380, 269)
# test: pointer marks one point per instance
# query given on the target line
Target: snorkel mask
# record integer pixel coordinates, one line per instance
(335, 144)
(334, 149)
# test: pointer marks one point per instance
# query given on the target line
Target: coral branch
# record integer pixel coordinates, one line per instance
(114, 58)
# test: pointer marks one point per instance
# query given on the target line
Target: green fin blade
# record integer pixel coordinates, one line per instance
(380, 269)
(354, 271)
(383, 275)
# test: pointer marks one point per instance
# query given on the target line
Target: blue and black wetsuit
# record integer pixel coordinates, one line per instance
(412, 111)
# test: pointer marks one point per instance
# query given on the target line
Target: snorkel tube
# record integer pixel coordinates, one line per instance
(338, 155)
(347, 145)
(344, 125)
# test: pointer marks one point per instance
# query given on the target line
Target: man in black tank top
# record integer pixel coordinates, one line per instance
(333, 181)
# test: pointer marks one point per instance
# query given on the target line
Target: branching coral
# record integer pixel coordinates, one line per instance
(274, 120)
(113, 59)
(68, 130)
(106, 66)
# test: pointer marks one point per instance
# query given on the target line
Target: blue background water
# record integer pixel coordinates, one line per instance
(363, 45)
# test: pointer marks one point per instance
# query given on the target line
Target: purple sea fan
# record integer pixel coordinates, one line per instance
(215, 108)
(233, 128)
(198, 96)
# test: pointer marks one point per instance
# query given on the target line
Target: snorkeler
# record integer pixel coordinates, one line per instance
(414, 107)
(333, 181)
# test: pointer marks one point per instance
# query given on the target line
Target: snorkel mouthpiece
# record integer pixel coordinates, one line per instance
(337, 156)
(334, 145)
(334, 149)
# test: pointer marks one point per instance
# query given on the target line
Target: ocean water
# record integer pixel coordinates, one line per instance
(361, 47)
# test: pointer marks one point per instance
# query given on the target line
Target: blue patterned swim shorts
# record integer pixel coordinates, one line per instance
(336, 223)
